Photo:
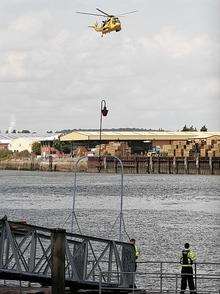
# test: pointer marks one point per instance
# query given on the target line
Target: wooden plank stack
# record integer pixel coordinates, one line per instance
(119, 149)
(205, 148)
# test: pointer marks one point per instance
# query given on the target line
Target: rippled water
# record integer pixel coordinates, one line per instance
(161, 211)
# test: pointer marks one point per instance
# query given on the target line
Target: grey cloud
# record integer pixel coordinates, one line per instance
(59, 71)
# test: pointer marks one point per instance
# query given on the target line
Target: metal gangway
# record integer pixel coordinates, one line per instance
(55, 257)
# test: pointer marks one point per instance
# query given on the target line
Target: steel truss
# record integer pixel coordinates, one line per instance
(26, 249)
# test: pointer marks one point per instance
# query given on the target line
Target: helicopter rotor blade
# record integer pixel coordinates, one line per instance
(122, 14)
(103, 12)
(94, 14)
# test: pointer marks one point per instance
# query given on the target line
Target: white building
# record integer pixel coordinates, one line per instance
(25, 142)
(21, 144)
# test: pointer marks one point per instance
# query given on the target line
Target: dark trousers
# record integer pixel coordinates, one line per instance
(187, 276)
(135, 269)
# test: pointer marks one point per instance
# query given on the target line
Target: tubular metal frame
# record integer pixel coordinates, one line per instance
(120, 216)
(161, 274)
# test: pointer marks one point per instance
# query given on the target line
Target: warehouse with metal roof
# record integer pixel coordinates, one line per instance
(139, 141)
(135, 135)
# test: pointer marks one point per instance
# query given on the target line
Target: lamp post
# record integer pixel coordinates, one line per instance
(103, 112)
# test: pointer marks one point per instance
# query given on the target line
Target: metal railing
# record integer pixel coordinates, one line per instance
(174, 267)
(165, 277)
(153, 275)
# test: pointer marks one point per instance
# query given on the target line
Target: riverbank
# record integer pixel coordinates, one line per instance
(131, 165)
(33, 164)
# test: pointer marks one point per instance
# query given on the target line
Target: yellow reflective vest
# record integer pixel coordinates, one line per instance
(188, 257)
(137, 251)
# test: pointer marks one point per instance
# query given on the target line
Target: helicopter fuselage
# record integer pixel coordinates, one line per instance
(110, 24)
(107, 26)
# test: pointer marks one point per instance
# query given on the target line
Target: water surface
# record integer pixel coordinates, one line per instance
(161, 211)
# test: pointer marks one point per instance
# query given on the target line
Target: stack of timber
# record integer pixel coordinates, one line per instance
(119, 149)
(80, 151)
(203, 148)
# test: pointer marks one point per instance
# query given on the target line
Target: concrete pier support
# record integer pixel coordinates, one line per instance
(158, 165)
(169, 166)
(210, 165)
(186, 165)
(50, 166)
(174, 165)
(58, 261)
(197, 165)
(151, 165)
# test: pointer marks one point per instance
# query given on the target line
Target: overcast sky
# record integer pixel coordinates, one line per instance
(161, 71)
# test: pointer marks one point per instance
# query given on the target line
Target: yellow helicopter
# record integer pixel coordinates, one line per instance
(110, 24)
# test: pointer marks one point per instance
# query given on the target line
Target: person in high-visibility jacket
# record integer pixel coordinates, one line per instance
(187, 259)
(136, 251)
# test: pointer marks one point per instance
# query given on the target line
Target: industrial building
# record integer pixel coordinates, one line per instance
(139, 141)
(20, 141)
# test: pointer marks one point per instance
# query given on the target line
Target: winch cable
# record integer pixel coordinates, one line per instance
(76, 220)
(124, 227)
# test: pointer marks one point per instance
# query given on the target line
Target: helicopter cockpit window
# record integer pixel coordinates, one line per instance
(115, 20)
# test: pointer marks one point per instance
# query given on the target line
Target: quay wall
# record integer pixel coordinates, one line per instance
(61, 165)
(131, 165)
(159, 165)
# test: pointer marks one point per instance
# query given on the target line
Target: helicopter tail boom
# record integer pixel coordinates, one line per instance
(96, 27)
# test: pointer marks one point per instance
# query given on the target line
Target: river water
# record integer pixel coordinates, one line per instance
(161, 212)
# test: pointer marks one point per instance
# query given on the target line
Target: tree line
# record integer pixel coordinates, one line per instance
(193, 129)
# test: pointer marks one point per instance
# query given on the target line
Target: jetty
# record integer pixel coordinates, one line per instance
(56, 258)
(61, 262)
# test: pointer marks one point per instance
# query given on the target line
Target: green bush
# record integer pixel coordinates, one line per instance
(5, 154)
(22, 154)
(62, 146)
(36, 148)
